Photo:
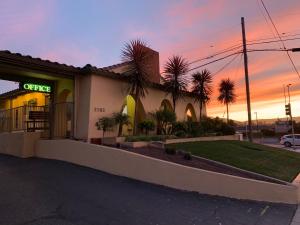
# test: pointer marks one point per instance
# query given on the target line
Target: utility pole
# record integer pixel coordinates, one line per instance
(247, 80)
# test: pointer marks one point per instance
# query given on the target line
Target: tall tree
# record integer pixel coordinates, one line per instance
(202, 88)
(226, 93)
(137, 54)
(175, 81)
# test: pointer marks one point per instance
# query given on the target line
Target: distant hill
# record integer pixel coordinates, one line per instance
(267, 121)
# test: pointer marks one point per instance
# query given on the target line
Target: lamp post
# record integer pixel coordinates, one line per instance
(293, 133)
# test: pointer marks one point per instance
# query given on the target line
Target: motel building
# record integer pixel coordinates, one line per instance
(57, 101)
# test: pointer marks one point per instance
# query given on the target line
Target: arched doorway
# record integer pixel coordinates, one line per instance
(64, 96)
(166, 104)
(190, 114)
(129, 109)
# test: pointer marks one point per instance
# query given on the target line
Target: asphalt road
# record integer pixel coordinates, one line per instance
(46, 192)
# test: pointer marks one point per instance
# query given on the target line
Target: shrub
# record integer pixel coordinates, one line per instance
(187, 155)
(268, 133)
(105, 124)
(146, 126)
(179, 126)
(170, 150)
(164, 119)
(180, 134)
(121, 119)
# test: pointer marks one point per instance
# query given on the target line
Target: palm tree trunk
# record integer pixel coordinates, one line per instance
(200, 113)
(135, 112)
(120, 129)
(227, 113)
(174, 105)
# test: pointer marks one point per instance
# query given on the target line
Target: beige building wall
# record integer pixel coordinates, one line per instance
(82, 106)
(100, 96)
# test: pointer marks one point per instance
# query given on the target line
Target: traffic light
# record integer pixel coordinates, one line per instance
(288, 109)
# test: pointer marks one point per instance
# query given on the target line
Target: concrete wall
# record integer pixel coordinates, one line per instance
(155, 171)
(236, 137)
(108, 95)
(20, 144)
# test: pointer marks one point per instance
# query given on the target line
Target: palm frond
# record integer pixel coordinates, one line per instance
(175, 81)
(137, 53)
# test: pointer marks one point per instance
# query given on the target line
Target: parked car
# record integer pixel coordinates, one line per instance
(287, 140)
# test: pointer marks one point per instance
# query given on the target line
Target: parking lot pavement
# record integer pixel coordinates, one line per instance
(47, 192)
(295, 149)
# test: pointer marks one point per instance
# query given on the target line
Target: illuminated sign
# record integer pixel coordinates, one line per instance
(36, 87)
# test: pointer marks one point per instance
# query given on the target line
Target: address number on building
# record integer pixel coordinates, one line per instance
(99, 109)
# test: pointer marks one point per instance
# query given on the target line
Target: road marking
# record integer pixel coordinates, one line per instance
(264, 210)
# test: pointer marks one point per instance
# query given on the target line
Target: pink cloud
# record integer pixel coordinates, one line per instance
(23, 18)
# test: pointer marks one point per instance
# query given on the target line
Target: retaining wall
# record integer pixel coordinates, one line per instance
(143, 168)
(20, 144)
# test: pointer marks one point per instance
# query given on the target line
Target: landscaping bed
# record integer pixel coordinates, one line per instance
(197, 163)
(273, 162)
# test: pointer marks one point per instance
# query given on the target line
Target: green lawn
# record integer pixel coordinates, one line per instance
(273, 162)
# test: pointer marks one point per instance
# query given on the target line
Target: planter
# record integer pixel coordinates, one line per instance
(112, 141)
(136, 144)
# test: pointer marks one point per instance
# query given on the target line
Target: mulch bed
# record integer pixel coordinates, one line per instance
(197, 163)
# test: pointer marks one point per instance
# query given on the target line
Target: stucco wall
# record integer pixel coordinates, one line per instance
(107, 96)
(155, 171)
(20, 144)
(82, 96)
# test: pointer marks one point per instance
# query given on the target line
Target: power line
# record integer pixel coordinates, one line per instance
(229, 49)
(265, 39)
(216, 60)
(289, 56)
(237, 46)
(266, 20)
(227, 64)
(237, 53)
(267, 42)
(268, 50)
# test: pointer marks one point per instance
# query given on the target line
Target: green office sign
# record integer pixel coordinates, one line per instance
(36, 87)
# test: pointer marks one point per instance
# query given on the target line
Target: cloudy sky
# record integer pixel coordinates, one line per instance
(94, 31)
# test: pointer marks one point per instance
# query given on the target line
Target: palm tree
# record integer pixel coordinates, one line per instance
(174, 80)
(137, 54)
(227, 95)
(121, 119)
(202, 88)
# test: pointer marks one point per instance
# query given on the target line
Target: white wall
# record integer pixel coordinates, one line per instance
(123, 163)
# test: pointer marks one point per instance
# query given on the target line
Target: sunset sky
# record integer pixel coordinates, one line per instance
(94, 31)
